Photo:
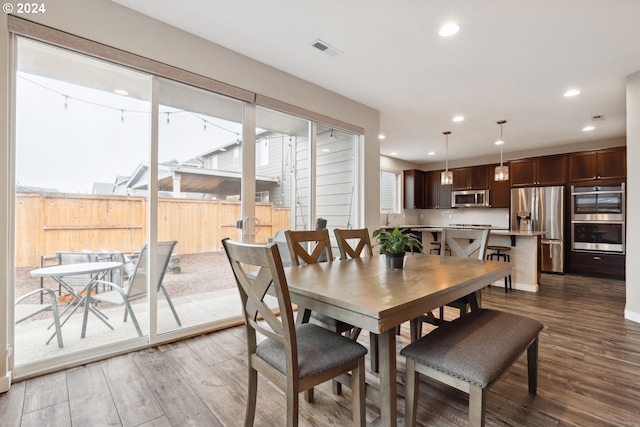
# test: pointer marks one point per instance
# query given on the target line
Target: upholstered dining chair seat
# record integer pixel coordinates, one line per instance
(319, 350)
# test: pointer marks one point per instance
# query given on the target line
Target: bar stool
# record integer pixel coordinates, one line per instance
(436, 247)
(501, 252)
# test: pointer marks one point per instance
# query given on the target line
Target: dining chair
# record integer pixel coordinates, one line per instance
(464, 243)
(311, 247)
(24, 311)
(137, 286)
(293, 357)
(354, 243)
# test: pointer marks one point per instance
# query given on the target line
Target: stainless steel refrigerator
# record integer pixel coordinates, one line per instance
(542, 209)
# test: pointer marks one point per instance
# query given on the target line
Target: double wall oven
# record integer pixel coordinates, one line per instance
(598, 218)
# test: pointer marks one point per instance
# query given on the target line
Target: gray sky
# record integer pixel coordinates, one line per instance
(70, 149)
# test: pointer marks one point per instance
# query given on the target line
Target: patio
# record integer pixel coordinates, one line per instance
(203, 291)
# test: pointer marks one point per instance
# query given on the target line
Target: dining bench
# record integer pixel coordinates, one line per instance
(470, 354)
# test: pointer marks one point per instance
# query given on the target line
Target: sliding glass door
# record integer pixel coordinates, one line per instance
(126, 183)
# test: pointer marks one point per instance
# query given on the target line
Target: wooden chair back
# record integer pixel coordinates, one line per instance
(256, 269)
(309, 246)
(361, 240)
(259, 272)
(466, 242)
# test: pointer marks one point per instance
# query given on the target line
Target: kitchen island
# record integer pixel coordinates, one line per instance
(524, 253)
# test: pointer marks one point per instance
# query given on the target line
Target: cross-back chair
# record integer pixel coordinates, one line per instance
(293, 357)
(464, 243)
(310, 247)
(361, 242)
(354, 243)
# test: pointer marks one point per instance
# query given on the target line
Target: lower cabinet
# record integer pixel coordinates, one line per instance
(596, 264)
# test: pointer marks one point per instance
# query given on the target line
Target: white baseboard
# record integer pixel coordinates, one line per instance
(633, 316)
(518, 286)
(5, 382)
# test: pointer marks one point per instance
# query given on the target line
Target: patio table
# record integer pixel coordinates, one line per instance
(97, 271)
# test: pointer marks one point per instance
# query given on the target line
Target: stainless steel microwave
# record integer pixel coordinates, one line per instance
(470, 199)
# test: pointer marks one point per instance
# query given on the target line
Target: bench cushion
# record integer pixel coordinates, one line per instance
(477, 347)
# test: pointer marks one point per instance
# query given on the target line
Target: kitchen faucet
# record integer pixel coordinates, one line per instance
(394, 216)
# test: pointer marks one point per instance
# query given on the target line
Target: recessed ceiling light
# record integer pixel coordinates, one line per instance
(458, 118)
(431, 153)
(381, 136)
(588, 128)
(325, 150)
(393, 153)
(121, 92)
(449, 29)
(571, 92)
(499, 142)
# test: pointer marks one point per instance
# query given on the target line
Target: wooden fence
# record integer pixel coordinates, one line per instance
(46, 223)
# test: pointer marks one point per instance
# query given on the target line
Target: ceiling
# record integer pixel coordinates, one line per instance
(511, 60)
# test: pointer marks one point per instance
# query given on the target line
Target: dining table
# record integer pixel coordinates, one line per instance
(367, 295)
(94, 271)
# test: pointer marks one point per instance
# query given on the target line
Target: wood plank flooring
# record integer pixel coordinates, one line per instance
(589, 375)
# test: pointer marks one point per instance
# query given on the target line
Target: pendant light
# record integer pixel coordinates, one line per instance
(501, 172)
(446, 177)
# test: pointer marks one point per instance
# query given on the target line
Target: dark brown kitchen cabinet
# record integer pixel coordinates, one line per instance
(538, 171)
(499, 191)
(598, 165)
(414, 189)
(597, 264)
(472, 178)
(438, 195)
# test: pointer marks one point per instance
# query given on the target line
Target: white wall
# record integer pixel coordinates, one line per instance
(632, 309)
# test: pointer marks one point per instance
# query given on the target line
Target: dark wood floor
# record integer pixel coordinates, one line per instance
(589, 375)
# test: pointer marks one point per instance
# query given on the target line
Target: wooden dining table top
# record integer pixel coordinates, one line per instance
(363, 292)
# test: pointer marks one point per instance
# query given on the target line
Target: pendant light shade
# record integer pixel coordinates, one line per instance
(501, 172)
(446, 177)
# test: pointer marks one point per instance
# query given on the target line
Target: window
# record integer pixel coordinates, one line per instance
(213, 162)
(236, 157)
(389, 191)
(262, 152)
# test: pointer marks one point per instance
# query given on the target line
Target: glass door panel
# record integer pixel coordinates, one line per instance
(82, 125)
(199, 188)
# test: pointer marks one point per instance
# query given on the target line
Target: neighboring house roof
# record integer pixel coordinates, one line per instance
(103, 188)
(26, 189)
(194, 180)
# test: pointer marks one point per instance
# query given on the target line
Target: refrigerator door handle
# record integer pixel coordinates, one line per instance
(550, 242)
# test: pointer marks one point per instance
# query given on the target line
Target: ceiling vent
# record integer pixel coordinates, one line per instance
(326, 48)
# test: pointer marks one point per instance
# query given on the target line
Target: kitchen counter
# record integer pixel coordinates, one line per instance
(525, 272)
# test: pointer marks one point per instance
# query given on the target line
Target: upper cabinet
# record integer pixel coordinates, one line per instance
(598, 165)
(471, 178)
(499, 191)
(438, 196)
(539, 171)
(414, 189)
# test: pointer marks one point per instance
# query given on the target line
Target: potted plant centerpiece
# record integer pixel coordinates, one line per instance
(394, 244)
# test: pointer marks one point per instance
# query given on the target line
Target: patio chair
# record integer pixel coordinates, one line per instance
(137, 287)
(293, 357)
(25, 311)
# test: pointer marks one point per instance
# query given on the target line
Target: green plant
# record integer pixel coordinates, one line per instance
(396, 242)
